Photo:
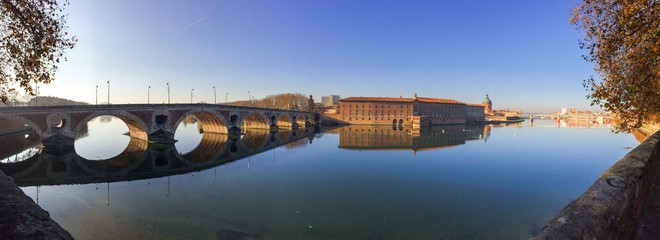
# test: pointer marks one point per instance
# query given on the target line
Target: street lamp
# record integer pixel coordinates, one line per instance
(226, 94)
(148, 93)
(37, 98)
(191, 95)
(97, 94)
(168, 92)
(108, 92)
(215, 101)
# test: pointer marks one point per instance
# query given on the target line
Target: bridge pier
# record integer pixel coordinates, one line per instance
(58, 134)
(58, 143)
(162, 136)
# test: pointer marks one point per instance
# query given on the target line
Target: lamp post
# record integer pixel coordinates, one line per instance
(168, 92)
(191, 95)
(215, 101)
(37, 98)
(148, 93)
(97, 94)
(226, 94)
(108, 92)
(249, 102)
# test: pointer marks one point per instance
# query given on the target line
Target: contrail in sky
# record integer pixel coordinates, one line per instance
(190, 25)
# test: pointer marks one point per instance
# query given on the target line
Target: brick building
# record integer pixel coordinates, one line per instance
(416, 111)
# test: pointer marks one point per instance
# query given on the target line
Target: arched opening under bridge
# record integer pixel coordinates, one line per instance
(256, 121)
(284, 121)
(101, 137)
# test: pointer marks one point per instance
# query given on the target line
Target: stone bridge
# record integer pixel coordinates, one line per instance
(58, 125)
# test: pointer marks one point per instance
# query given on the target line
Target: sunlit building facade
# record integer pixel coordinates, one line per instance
(416, 111)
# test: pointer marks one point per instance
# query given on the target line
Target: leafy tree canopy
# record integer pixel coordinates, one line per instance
(33, 39)
(623, 40)
(292, 101)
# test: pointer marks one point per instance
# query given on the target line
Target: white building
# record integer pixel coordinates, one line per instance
(332, 100)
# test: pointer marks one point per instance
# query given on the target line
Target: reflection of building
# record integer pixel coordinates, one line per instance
(416, 111)
(364, 137)
(328, 101)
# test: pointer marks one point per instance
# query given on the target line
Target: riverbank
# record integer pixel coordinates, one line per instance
(624, 203)
(503, 121)
(22, 218)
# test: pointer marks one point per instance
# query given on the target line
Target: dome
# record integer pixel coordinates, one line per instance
(487, 101)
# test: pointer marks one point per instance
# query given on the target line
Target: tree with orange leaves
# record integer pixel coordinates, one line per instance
(33, 39)
(623, 40)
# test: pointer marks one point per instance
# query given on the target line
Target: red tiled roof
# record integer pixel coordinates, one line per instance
(399, 99)
(438, 100)
(474, 104)
(376, 99)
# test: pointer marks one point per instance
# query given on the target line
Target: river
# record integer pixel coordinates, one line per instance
(351, 182)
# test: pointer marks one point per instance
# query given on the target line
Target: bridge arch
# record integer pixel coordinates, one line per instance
(211, 147)
(255, 139)
(136, 127)
(210, 121)
(23, 168)
(284, 121)
(256, 120)
(298, 119)
(128, 160)
(38, 130)
(284, 136)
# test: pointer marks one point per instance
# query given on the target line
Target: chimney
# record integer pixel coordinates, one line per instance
(415, 95)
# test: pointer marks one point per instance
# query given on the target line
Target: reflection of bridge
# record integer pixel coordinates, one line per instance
(16, 143)
(153, 122)
(142, 161)
(393, 138)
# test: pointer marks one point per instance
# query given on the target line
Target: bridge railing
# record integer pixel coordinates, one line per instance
(136, 106)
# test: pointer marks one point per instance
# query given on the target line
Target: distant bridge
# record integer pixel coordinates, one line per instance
(58, 125)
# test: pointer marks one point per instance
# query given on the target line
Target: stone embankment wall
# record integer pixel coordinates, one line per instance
(22, 218)
(611, 207)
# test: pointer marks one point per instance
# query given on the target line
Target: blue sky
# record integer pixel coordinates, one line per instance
(524, 54)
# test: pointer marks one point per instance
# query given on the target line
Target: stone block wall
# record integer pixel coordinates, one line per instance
(609, 209)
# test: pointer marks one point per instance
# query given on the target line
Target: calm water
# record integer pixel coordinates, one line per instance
(452, 182)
